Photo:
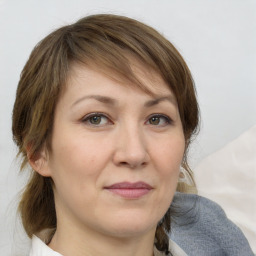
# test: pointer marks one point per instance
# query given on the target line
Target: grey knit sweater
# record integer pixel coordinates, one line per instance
(201, 228)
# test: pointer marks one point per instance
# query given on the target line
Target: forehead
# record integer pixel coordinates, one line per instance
(139, 76)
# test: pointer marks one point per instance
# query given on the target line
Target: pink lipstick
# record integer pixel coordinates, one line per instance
(130, 190)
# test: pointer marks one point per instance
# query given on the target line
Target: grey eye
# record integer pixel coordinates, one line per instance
(154, 120)
(159, 120)
(95, 119)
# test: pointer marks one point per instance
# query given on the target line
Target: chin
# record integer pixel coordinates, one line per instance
(132, 226)
(130, 232)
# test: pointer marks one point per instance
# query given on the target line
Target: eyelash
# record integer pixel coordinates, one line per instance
(88, 118)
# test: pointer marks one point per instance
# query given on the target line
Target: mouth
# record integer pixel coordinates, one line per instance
(130, 190)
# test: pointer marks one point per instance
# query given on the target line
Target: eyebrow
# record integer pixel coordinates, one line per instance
(100, 98)
(110, 101)
(156, 101)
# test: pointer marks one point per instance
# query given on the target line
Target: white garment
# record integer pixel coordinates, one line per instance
(175, 249)
(39, 248)
(228, 177)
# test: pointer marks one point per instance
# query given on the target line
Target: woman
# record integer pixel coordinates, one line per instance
(104, 114)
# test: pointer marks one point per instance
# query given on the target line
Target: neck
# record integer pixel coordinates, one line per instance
(88, 243)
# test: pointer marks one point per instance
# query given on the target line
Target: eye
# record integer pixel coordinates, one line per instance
(96, 119)
(159, 120)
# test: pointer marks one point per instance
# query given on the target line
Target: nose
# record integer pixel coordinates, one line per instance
(130, 148)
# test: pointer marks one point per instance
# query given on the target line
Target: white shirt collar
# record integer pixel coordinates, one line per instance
(39, 248)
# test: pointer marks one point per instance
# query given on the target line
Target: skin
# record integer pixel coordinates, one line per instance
(134, 138)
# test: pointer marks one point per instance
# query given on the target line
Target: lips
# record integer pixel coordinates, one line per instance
(130, 190)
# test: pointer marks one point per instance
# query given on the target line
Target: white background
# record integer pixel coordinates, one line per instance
(217, 39)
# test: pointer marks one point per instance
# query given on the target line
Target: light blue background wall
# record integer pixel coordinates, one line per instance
(217, 39)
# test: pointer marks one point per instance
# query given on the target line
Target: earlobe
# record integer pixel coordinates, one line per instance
(39, 162)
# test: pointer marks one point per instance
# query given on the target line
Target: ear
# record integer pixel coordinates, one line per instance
(40, 162)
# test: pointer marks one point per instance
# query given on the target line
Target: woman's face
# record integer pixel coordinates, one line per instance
(116, 153)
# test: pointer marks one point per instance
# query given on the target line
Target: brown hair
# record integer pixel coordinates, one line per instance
(104, 41)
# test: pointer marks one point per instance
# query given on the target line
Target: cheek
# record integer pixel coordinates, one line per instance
(169, 156)
(168, 159)
(75, 158)
(75, 169)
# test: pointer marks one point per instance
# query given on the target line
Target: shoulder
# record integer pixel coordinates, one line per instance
(201, 227)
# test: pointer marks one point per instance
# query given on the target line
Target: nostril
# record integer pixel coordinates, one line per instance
(123, 163)
(132, 165)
